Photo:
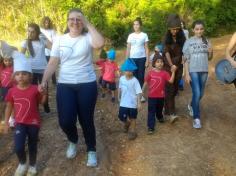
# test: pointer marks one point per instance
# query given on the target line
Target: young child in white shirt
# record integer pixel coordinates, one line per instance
(129, 95)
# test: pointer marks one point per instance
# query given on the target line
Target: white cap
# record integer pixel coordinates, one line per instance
(21, 63)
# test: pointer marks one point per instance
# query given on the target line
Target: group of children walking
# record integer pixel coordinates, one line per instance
(22, 98)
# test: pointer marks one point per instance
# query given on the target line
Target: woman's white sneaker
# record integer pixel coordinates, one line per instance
(71, 150)
(92, 159)
(21, 170)
(197, 123)
(32, 171)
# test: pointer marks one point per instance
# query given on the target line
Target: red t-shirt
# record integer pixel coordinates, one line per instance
(100, 63)
(6, 77)
(25, 103)
(110, 69)
(156, 83)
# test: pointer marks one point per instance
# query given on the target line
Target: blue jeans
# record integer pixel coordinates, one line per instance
(22, 133)
(77, 101)
(139, 73)
(198, 85)
(155, 107)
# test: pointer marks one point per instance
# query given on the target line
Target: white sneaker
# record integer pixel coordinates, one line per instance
(143, 100)
(190, 109)
(21, 170)
(71, 150)
(92, 159)
(197, 123)
(32, 171)
(11, 122)
(173, 118)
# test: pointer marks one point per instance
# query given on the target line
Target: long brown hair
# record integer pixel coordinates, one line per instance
(29, 41)
(200, 22)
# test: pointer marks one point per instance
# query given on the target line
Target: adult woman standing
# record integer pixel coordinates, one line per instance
(76, 88)
(137, 50)
(49, 32)
(173, 44)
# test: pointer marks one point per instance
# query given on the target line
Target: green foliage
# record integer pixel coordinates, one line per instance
(114, 17)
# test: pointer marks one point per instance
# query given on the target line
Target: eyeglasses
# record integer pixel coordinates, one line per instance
(74, 19)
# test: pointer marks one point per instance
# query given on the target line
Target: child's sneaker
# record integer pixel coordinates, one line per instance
(190, 109)
(11, 122)
(21, 170)
(71, 150)
(92, 159)
(173, 118)
(132, 135)
(32, 171)
(197, 123)
(150, 130)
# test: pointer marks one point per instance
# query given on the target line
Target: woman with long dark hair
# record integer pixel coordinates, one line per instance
(173, 44)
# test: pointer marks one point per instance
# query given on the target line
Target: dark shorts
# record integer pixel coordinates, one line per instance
(125, 113)
(100, 80)
(3, 93)
(109, 85)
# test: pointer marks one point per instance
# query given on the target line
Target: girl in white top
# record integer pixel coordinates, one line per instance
(35, 46)
(77, 87)
(137, 50)
(49, 33)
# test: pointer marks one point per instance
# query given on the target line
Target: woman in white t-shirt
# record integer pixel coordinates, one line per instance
(49, 33)
(137, 50)
(34, 48)
(76, 85)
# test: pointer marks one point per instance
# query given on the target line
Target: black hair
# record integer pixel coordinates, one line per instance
(180, 38)
(29, 41)
(200, 22)
(157, 56)
(139, 20)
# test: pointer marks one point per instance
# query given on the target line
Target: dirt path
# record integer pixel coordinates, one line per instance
(177, 150)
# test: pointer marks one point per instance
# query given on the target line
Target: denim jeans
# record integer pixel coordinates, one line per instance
(198, 82)
(77, 102)
(139, 73)
(30, 134)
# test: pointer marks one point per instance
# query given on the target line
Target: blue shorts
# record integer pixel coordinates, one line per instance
(125, 113)
(109, 85)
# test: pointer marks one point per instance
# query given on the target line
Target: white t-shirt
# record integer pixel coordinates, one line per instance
(137, 42)
(75, 56)
(129, 92)
(38, 62)
(50, 34)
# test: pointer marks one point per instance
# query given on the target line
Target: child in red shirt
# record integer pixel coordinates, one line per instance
(24, 98)
(100, 62)
(156, 80)
(110, 69)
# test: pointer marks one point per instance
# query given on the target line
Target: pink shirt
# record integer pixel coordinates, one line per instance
(110, 69)
(156, 83)
(6, 77)
(25, 104)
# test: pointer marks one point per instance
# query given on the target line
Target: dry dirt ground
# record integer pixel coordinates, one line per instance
(173, 150)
